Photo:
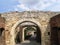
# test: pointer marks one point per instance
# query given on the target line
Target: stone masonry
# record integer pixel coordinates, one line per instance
(13, 19)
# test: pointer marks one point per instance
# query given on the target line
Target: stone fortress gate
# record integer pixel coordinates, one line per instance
(46, 23)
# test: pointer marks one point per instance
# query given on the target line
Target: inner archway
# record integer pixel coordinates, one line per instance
(32, 28)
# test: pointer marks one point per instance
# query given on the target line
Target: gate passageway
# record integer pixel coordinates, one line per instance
(29, 43)
(29, 34)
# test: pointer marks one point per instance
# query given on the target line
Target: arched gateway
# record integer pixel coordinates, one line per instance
(20, 25)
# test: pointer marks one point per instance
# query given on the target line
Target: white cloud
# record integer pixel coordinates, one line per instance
(35, 4)
(22, 6)
(54, 8)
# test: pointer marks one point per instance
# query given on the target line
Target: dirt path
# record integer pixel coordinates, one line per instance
(29, 43)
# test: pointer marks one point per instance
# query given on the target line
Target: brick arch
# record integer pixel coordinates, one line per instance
(54, 15)
(53, 20)
(16, 24)
(55, 25)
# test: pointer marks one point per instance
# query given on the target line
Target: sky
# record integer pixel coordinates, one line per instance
(29, 5)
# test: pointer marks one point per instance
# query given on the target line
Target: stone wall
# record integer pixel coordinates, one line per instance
(2, 25)
(13, 19)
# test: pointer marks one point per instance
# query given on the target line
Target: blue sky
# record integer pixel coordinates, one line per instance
(28, 5)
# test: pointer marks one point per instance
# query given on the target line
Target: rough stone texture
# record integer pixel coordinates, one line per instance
(13, 19)
(2, 25)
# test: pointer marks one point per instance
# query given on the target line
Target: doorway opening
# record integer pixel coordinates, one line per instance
(28, 32)
(1, 31)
